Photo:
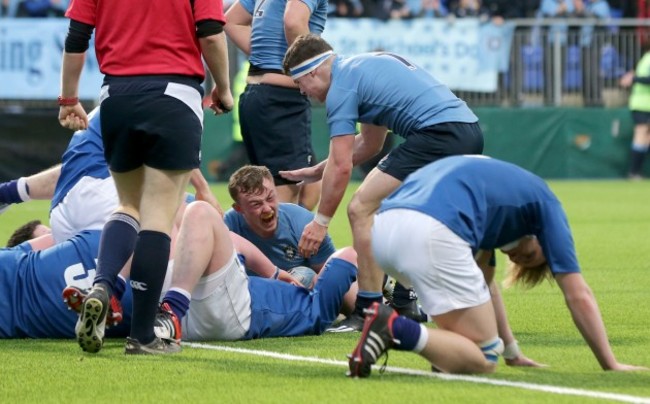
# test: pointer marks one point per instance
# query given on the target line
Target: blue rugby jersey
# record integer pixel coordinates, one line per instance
(83, 157)
(31, 283)
(489, 203)
(282, 248)
(385, 89)
(268, 42)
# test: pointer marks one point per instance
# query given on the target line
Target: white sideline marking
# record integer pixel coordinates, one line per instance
(473, 379)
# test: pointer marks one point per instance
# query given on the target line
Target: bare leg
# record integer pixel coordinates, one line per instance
(361, 210)
(287, 193)
(309, 195)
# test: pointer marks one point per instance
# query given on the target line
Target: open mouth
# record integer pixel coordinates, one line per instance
(267, 217)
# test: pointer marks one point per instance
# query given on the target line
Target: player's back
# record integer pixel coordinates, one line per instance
(268, 40)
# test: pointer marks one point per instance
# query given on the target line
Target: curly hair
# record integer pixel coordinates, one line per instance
(248, 180)
(23, 233)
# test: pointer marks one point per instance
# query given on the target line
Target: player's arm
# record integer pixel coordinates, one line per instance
(512, 353)
(214, 49)
(38, 186)
(238, 28)
(71, 113)
(368, 142)
(203, 191)
(296, 20)
(587, 318)
(336, 177)
(259, 263)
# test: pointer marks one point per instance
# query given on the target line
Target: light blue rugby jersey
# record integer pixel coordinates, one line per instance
(31, 283)
(268, 43)
(282, 249)
(489, 203)
(84, 157)
(385, 89)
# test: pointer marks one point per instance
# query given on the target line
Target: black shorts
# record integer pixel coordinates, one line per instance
(430, 144)
(641, 117)
(152, 120)
(276, 128)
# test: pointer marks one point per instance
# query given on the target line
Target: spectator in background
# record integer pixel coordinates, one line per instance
(346, 8)
(41, 8)
(432, 9)
(501, 10)
(468, 8)
(591, 43)
(639, 104)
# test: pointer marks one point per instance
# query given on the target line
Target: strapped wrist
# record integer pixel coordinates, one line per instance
(67, 101)
(322, 219)
(511, 351)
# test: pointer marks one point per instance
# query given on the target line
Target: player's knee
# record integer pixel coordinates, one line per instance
(199, 211)
(492, 349)
(347, 254)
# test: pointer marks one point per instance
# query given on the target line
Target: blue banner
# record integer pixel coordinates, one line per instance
(30, 60)
(465, 54)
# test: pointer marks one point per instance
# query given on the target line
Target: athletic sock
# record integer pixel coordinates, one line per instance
(637, 156)
(403, 296)
(147, 278)
(410, 335)
(115, 248)
(120, 287)
(365, 299)
(178, 300)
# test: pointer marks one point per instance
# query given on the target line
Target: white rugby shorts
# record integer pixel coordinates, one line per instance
(220, 308)
(87, 206)
(421, 252)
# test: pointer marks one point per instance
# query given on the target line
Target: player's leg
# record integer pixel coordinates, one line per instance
(640, 143)
(365, 202)
(203, 248)
(334, 283)
(163, 192)
(420, 251)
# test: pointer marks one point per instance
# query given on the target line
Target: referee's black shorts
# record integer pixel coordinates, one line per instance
(430, 144)
(152, 120)
(276, 128)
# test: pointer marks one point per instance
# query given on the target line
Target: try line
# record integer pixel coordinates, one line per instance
(472, 379)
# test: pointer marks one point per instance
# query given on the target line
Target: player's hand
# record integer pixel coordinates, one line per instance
(523, 361)
(285, 276)
(73, 117)
(311, 239)
(222, 101)
(627, 79)
(305, 175)
(621, 367)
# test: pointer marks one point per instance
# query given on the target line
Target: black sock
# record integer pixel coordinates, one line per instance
(403, 296)
(115, 247)
(636, 161)
(365, 302)
(147, 277)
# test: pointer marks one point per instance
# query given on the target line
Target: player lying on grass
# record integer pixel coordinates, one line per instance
(427, 233)
(81, 183)
(32, 282)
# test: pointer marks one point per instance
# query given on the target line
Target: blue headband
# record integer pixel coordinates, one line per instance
(309, 65)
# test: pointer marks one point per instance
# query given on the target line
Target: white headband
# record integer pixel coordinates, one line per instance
(309, 65)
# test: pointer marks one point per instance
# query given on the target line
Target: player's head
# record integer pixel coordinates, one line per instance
(308, 63)
(253, 191)
(28, 231)
(528, 266)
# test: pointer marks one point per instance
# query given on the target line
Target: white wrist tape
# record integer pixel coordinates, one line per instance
(23, 191)
(322, 219)
(511, 351)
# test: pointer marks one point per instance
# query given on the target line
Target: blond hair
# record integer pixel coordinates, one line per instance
(527, 277)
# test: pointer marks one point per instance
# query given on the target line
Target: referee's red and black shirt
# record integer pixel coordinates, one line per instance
(147, 37)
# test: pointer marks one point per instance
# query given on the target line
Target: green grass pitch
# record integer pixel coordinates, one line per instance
(611, 227)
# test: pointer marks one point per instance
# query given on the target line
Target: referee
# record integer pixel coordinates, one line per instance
(152, 122)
